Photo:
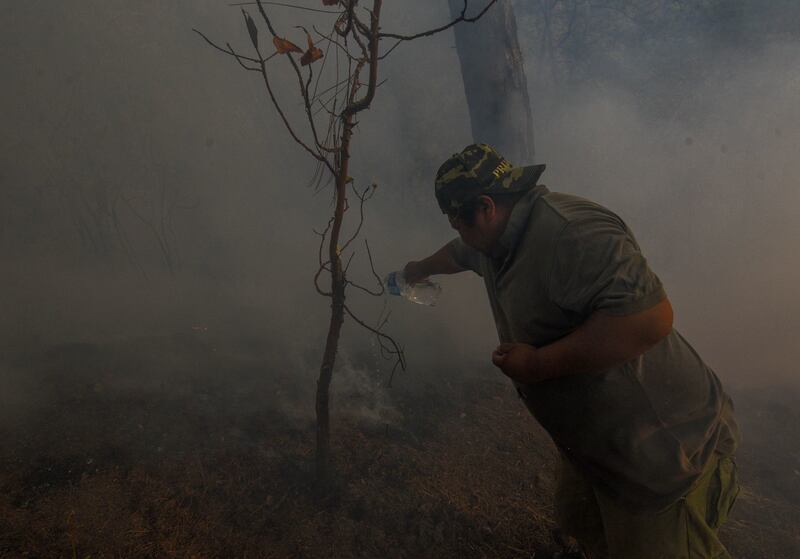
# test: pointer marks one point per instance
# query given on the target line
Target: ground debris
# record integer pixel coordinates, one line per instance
(463, 474)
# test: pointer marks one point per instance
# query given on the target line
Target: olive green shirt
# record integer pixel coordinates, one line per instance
(643, 430)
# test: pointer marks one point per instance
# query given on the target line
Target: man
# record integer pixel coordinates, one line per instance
(645, 431)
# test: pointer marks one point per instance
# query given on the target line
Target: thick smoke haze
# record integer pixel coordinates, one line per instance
(712, 194)
(120, 105)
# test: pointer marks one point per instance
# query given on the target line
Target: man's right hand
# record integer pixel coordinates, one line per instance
(440, 262)
(414, 272)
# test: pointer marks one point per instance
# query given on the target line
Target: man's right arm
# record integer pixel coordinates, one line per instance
(440, 262)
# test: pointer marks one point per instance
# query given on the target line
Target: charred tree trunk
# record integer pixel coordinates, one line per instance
(494, 81)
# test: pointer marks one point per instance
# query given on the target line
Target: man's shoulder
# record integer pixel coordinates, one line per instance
(571, 208)
(559, 212)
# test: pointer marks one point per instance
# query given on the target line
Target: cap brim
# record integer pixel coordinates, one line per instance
(525, 180)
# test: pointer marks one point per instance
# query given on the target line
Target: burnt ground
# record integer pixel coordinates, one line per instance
(188, 447)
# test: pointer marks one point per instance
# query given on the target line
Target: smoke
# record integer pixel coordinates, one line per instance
(20, 395)
(711, 192)
(137, 105)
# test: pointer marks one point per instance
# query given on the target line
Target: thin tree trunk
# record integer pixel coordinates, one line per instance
(494, 81)
(323, 465)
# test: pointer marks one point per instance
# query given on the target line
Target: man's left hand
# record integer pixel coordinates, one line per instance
(518, 362)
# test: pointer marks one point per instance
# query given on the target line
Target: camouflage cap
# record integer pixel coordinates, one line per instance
(477, 170)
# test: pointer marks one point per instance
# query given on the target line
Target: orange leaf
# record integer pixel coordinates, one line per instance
(310, 56)
(283, 46)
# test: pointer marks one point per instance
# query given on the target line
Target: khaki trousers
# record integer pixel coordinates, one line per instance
(687, 529)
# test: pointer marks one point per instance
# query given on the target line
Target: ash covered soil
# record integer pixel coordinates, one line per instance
(186, 446)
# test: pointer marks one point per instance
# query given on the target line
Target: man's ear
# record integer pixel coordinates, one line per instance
(486, 204)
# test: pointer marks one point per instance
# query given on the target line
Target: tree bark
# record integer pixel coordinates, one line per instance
(494, 81)
(324, 475)
(324, 468)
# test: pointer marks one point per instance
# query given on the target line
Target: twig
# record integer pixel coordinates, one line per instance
(332, 41)
(363, 197)
(396, 350)
(463, 17)
(323, 265)
(303, 87)
(228, 51)
(347, 266)
(284, 5)
(372, 267)
(374, 42)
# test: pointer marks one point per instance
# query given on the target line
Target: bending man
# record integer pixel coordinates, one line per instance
(644, 428)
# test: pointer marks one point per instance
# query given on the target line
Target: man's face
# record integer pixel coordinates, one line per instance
(483, 232)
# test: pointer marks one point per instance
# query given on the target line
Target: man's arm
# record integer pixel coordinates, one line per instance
(603, 341)
(440, 262)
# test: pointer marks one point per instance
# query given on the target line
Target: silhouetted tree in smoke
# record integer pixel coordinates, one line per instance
(494, 82)
(330, 118)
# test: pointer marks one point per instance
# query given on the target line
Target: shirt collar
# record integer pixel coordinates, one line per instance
(517, 222)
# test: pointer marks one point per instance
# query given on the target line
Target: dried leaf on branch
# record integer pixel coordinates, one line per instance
(284, 46)
(329, 2)
(251, 28)
(312, 54)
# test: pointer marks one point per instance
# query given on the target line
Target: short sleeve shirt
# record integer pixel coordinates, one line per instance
(642, 430)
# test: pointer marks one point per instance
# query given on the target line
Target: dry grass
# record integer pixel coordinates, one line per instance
(104, 471)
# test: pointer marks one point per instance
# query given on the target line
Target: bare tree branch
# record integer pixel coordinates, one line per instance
(381, 289)
(296, 68)
(262, 69)
(462, 18)
(369, 191)
(391, 49)
(323, 105)
(332, 41)
(374, 42)
(395, 350)
(229, 51)
(347, 265)
(285, 5)
(323, 235)
(347, 16)
(378, 279)
(322, 159)
(324, 293)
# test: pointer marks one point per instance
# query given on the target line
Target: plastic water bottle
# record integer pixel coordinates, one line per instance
(423, 293)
